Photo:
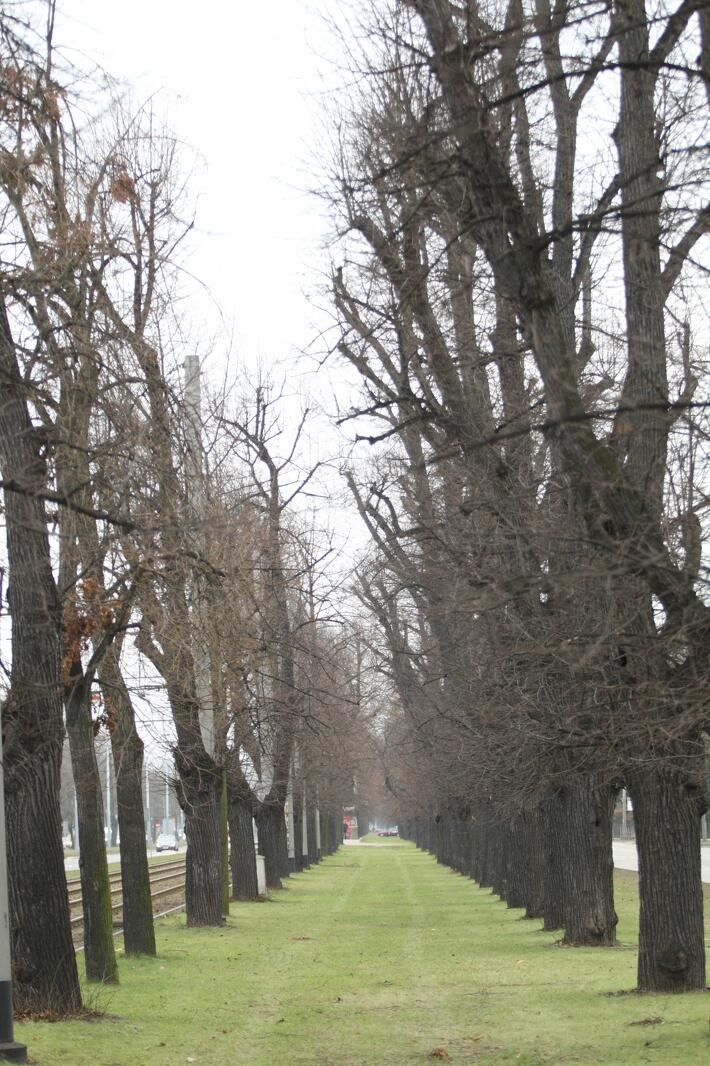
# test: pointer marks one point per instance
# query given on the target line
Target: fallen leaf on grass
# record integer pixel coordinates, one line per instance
(439, 1053)
(300, 938)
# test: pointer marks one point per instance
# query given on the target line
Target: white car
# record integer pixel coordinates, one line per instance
(166, 842)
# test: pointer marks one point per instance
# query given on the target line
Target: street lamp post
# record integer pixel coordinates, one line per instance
(304, 831)
(148, 824)
(290, 827)
(108, 794)
(9, 1048)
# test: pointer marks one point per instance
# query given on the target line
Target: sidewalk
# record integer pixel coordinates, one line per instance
(114, 858)
(625, 857)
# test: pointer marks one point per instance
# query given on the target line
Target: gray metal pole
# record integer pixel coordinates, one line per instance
(194, 483)
(9, 1048)
(304, 830)
(108, 793)
(624, 814)
(319, 853)
(290, 828)
(148, 823)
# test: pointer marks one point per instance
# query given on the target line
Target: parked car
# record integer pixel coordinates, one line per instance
(393, 831)
(166, 842)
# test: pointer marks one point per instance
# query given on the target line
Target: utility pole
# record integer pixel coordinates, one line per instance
(194, 478)
(108, 793)
(9, 1048)
(319, 852)
(290, 827)
(624, 814)
(304, 828)
(148, 823)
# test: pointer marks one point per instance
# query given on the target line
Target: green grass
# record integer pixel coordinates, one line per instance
(377, 956)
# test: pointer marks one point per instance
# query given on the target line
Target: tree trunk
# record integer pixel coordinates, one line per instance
(297, 834)
(99, 949)
(271, 827)
(224, 840)
(588, 865)
(44, 963)
(204, 876)
(305, 807)
(44, 970)
(667, 810)
(127, 749)
(313, 855)
(245, 885)
(517, 863)
(497, 860)
(553, 851)
(535, 880)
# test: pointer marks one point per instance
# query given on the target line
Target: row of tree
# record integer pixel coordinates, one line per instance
(519, 191)
(137, 527)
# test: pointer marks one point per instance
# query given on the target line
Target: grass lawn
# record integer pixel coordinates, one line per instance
(377, 956)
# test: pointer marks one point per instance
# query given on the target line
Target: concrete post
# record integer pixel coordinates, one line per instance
(9, 1048)
(624, 814)
(148, 823)
(319, 851)
(290, 828)
(108, 793)
(194, 477)
(304, 831)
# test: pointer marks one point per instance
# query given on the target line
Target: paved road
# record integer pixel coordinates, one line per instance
(625, 857)
(72, 863)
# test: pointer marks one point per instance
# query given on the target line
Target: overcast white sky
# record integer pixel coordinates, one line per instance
(242, 84)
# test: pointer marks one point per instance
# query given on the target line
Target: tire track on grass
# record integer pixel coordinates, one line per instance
(313, 943)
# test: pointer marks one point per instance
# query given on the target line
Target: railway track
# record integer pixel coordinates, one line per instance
(167, 879)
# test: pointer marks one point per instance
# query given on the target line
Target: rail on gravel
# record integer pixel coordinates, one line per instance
(166, 880)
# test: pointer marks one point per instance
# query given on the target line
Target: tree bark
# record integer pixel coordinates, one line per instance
(204, 880)
(245, 884)
(667, 811)
(44, 963)
(297, 834)
(552, 837)
(588, 865)
(517, 870)
(535, 881)
(271, 827)
(313, 855)
(127, 749)
(99, 949)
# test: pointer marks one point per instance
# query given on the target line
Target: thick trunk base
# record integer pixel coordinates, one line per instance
(588, 867)
(44, 970)
(244, 877)
(271, 826)
(127, 750)
(99, 947)
(667, 812)
(204, 876)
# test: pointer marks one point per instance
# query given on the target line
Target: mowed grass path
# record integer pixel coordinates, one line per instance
(377, 956)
